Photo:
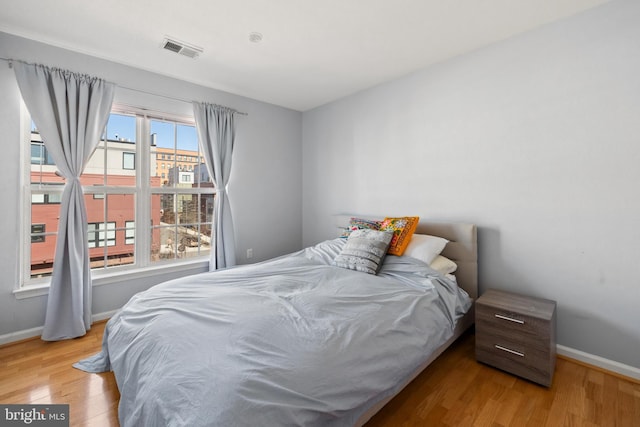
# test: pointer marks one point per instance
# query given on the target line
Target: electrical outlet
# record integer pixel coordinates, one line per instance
(249, 253)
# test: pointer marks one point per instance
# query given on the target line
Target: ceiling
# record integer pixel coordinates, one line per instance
(312, 51)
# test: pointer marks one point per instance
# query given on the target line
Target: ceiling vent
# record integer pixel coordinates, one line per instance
(182, 48)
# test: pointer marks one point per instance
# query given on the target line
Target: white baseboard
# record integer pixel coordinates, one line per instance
(600, 362)
(20, 335)
(103, 316)
(36, 332)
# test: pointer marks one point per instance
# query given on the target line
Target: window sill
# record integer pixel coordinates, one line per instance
(190, 267)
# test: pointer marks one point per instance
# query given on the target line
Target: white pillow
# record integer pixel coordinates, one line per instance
(443, 265)
(425, 247)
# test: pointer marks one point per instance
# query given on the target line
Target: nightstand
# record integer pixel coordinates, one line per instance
(517, 334)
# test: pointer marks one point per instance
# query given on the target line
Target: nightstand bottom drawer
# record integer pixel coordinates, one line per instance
(532, 364)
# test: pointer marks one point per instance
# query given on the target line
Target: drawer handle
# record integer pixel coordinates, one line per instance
(510, 319)
(508, 350)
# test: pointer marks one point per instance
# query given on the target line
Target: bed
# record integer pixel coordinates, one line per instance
(290, 341)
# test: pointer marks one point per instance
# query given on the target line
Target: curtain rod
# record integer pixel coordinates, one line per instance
(173, 98)
(10, 62)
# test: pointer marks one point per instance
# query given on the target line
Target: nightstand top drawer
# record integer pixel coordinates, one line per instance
(515, 303)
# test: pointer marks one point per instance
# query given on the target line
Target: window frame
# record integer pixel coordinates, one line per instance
(142, 191)
(128, 155)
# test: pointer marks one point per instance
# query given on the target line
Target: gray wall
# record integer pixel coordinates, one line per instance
(265, 186)
(536, 139)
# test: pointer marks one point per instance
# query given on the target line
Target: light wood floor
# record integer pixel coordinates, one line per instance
(454, 391)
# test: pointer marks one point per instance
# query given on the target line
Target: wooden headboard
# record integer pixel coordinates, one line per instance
(462, 247)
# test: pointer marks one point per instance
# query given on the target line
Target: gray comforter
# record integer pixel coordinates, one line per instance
(293, 341)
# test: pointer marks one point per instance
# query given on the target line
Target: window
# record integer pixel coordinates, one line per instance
(129, 233)
(128, 161)
(101, 234)
(46, 198)
(37, 233)
(177, 210)
(39, 154)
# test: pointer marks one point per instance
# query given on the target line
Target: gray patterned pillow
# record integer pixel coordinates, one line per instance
(364, 251)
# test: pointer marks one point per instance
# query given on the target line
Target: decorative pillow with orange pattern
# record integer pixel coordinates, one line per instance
(402, 228)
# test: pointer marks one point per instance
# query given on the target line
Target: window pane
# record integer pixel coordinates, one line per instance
(167, 208)
(157, 211)
(46, 214)
(121, 214)
(188, 241)
(162, 146)
(187, 139)
(188, 209)
(121, 169)
(177, 147)
(121, 208)
(42, 254)
(45, 211)
(95, 205)
(195, 233)
(95, 217)
(205, 226)
(187, 147)
(206, 207)
(111, 239)
(113, 161)
(121, 127)
(205, 240)
(193, 240)
(201, 174)
(42, 165)
(183, 228)
(163, 243)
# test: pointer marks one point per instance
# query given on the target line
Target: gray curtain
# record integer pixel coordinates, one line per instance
(71, 111)
(216, 131)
